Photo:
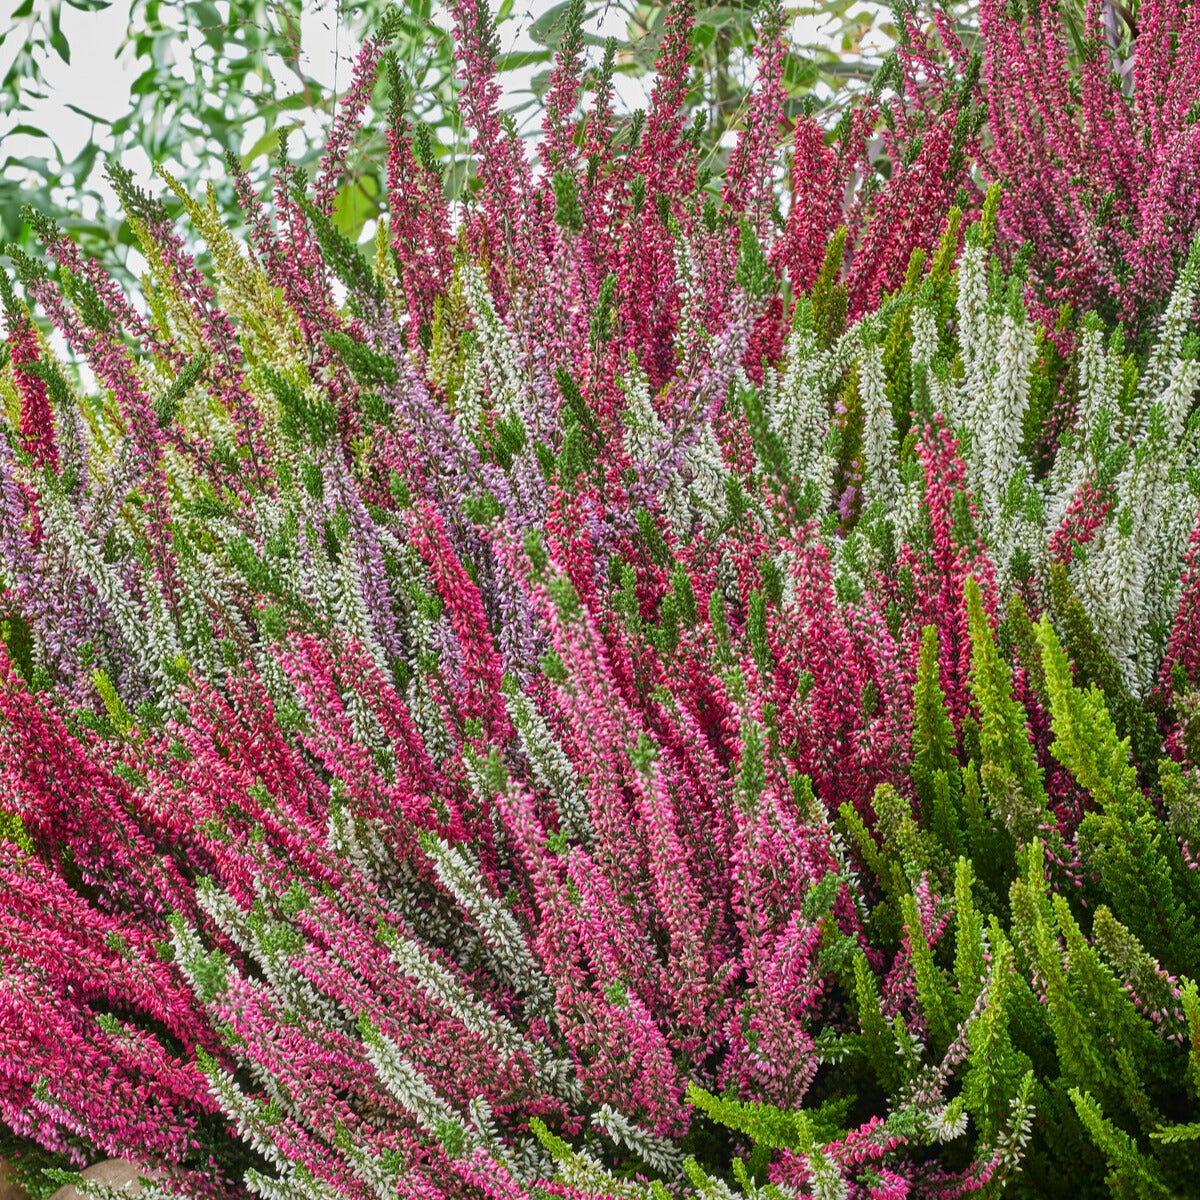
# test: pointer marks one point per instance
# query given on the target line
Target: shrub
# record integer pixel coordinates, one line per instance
(1094, 138)
(549, 721)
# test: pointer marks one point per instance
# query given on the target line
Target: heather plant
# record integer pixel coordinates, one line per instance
(1093, 134)
(1086, 119)
(603, 703)
(187, 118)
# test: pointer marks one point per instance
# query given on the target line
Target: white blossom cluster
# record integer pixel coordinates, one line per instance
(497, 926)
(657, 1153)
(1129, 577)
(551, 767)
(442, 987)
(881, 480)
(412, 1091)
(1136, 448)
(497, 362)
(798, 400)
(948, 1122)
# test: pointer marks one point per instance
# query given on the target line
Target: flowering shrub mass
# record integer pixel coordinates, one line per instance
(633, 692)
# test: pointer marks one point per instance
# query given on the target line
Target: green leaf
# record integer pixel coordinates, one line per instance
(57, 38)
(517, 60)
(551, 25)
(83, 112)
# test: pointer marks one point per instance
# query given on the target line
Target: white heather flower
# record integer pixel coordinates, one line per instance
(580, 1171)
(691, 297)
(246, 1116)
(291, 1185)
(974, 334)
(370, 1168)
(947, 1123)
(59, 524)
(1168, 543)
(880, 479)
(825, 1179)
(997, 437)
(496, 924)
(479, 1112)
(708, 475)
(800, 415)
(1116, 573)
(409, 1088)
(644, 432)
(498, 355)
(924, 334)
(656, 1152)
(943, 395)
(1100, 375)
(552, 769)
(907, 511)
(1179, 395)
(1172, 326)
(441, 986)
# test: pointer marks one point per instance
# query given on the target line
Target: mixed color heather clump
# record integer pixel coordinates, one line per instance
(624, 691)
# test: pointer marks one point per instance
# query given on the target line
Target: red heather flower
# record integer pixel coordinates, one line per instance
(1183, 645)
(1086, 513)
(929, 142)
(37, 418)
(1099, 165)
(956, 554)
(500, 160)
(749, 177)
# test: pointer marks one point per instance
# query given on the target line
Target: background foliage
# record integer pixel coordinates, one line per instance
(254, 48)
